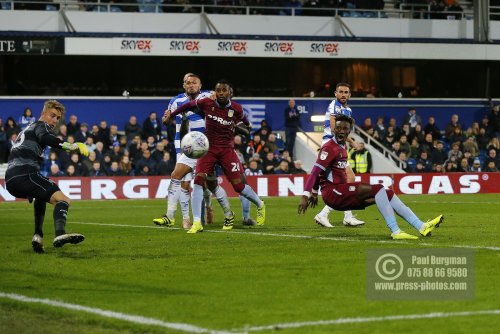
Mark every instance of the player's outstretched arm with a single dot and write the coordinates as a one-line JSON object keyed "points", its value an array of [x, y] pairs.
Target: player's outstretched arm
{"points": [[308, 199], [76, 147]]}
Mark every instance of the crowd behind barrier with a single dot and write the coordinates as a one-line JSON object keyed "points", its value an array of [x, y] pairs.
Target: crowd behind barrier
{"points": [[145, 147], [429, 9]]}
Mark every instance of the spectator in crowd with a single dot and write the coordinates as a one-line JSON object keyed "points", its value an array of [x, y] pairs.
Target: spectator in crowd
{"points": [[367, 124], [409, 167], [297, 168], [494, 121], [11, 127], [253, 168], [106, 162], [70, 171], [269, 163], [412, 118], [380, 127], [404, 144], [395, 129], [455, 152], [256, 144], [453, 10], [114, 136], [271, 143], [264, 130], [166, 165], [427, 144], [97, 169], [425, 161], [463, 166], [3, 142], [492, 157], [26, 119], [414, 149], [473, 130], [476, 166], [405, 130], [491, 167], [55, 171], [114, 169], [396, 148], [147, 161], [82, 134], [292, 125], [158, 152], [493, 143], [389, 141], [79, 167], [134, 147], [89, 161], [115, 153], [94, 132], [151, 127], [450, 128], [286, 156], [418, 133], [90, 144], [99, 151], [362, 160], [471, 146], [132, 129], [439, 156], [450, 166], [103, 134], [282, 168], [432, 128], [436, 9], [438, 168], [151, 143], [482, 139], [457, 136], [73, 126], [126, 166]]}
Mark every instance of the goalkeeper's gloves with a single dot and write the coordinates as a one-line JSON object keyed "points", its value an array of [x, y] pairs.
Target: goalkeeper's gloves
{"points": [[80, 147]]}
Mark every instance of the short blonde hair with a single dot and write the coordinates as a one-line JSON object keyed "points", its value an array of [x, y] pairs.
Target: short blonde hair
{"points": [[54, 104]]}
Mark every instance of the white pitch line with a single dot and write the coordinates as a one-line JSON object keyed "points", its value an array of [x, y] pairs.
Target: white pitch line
{"points": [[195, 329], [434, 315], [137, 319], [298, 236]]}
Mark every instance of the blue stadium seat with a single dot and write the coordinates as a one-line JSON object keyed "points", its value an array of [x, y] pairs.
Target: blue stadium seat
{"points": [[51, 8]]}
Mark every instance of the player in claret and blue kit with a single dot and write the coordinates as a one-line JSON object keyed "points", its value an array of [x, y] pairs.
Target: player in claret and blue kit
{"points": [[222, 116], [329, 172]]}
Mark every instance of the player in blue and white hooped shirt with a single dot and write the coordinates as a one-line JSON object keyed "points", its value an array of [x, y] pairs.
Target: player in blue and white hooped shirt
{"points": [[338, 107]]}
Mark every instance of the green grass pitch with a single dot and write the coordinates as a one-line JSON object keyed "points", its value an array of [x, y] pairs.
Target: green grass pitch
{"points": [[289, 271]]}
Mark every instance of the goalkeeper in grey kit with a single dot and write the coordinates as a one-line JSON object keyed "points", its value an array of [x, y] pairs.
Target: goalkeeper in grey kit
{"points": [[23, 179]]}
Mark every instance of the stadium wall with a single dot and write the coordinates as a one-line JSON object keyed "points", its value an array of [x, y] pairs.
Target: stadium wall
{"points": [[167, 23], [118, 110], [156, 187]]}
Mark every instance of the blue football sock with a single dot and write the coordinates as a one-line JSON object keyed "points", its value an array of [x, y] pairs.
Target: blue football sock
{"points": [[249, 194], [197, 198], [245, 207], [405, 212], [386, 210]]}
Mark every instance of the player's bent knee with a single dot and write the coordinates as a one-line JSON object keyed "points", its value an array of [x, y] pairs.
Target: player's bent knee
{"points": [[200, 179], [375, 189], [238, 187]]}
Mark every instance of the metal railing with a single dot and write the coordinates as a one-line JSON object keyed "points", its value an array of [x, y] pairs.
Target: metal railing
{"points": [[380, 147], [405, 10]]}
